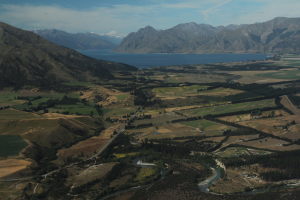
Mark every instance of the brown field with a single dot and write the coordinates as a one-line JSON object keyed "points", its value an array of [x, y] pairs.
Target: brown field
{"points": [[171, 93], [277, 122], [45, 132], [48, 130], [123, 196], [120, 181], [221, 92], [12, 166], [264, 143], [109, 96], [278, 126], [195, 78], [214, 139], [248, 77], [270, 144], [238, 151], [88, 147], [286, 102], [166, 131], [13, 114], [247, 117], [196, 166], [85, 148], [159, 119], [58, 116], [237, 180], [181, 108], [90, 174], [237, 139]]}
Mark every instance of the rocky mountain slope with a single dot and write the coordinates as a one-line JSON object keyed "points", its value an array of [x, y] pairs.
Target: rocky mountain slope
{"points": [[28, 59], [280, 35], [81, 41]]}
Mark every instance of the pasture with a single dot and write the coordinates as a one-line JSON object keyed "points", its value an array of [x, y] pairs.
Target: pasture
{"points": [[178, 92], [215, 110]]}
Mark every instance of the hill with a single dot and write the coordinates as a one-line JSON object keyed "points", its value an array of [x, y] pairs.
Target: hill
{"points": [[28, 59], [81, 41], [280, 35]]}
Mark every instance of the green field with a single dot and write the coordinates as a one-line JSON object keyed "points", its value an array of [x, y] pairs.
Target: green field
{"points": [[80, 109], [11, 114], [179, 91], [201, 124], [122, 97], [286, 74], [79, 83], [109, 112], [9, 98], [11, 145], [145, 173], [220, 92], [230, 108], [210, 128], [41, 100], [240, 151]]}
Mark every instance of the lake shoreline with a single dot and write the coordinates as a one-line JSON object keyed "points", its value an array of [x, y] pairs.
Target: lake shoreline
{"points": [[170, 59]]}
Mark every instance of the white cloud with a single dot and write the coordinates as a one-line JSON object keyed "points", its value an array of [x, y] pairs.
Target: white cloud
{"points": [[121, 18], [270, 10], [125, 18], [207, 12]]}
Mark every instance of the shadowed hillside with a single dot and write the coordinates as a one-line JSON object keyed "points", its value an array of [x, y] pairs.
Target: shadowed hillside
{"points": [[82, 41], [27, 59]]}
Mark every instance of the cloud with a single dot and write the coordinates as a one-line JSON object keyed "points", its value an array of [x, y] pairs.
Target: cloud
{"points": [[125, 17], [269, 10], [121, 18], [207, 12]]}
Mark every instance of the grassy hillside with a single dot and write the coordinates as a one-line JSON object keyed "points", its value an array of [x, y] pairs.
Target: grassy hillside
{"points": [[27, 59]]}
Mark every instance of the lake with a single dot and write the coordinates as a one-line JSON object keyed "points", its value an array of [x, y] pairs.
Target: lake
{"points": [[151, 60]]}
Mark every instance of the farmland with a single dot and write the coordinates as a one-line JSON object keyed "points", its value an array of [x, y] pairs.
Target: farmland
{"points": [[216, 110], [178, 92], [185, 122]]}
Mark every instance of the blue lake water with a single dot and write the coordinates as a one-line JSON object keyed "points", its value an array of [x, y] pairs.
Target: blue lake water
{"points": [[151, 60]]}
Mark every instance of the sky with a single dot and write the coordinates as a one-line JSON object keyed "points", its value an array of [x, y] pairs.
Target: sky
{"points": [[120, 17]]}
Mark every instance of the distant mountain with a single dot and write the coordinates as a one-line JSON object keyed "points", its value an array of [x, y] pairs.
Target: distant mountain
{"points": [[113, 39], [80, 41], [26, 58], [280, 35]]}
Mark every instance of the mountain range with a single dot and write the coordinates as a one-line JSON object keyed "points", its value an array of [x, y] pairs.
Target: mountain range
{"points": [[28, 59], [80, 41], [280, 35]]}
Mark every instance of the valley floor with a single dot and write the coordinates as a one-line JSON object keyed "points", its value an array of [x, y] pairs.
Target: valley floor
{"points": [[221, 131]]}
